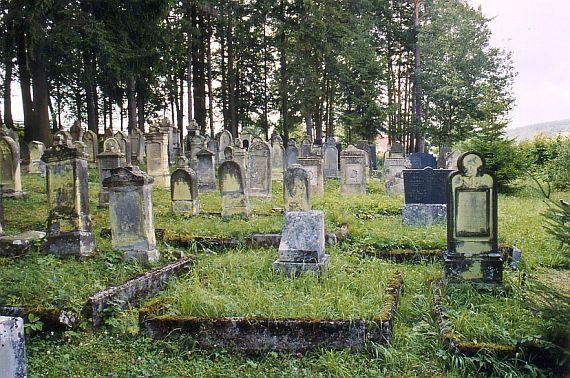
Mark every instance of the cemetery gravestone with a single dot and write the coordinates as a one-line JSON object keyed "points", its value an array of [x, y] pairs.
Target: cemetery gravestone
{"points": [[421, 160], [314, 166], [111, 158], [425, 193], [330, 154], [69, 224], [1, 211], [259, 170], [233, 189], [291, 154], [225, 139], [63, 137], [365, 146], [212, 145], [10, 175], [157, 157], [136, 144], [373, 157], [277, 158], [37, 166], [91, 146], [182, 162], [80, 146], [305, 148], [184, 192], [205, 171], [302, 246], [396, 150], [472, 248], [393, 174], [12, 348], [124, 144], [108, 132], [352, 171], [130, 214], [76, 132], [296, 189]]}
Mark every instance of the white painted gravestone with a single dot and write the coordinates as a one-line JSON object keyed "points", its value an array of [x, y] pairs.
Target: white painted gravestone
{"points": [[277, 158]]}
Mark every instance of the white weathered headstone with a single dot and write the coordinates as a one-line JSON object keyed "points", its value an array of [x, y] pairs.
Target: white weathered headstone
{"points": [[12, 348]]}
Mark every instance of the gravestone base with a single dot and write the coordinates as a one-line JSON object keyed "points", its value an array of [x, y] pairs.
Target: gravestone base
{"points": [[235, 205], [142, 256], [12, 348], [14, 194], [207, 187], [185, 207], [261, 196], [72, 244], [37, 167], [424, 215], [277, 175], [485, 268], [294, 269], [20, 244]]}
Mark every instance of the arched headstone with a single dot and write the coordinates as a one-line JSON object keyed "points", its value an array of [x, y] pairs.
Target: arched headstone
{"points": [[259, 169], [233, 189]]}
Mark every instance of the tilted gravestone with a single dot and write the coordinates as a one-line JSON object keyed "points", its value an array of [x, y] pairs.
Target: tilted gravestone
{"points": [[291, 154], [277, 158], [37, 166], [92, 146], [314, 166], [157, 157], [12, 348], [259, 169], [130, 214], [421, 160], [472, 248], [205, 171], [109, 159], [233, 189], [184, 192], [302, 246], [296, 189], [352, 171], [330, 157], [69, 224], [10, 176], [425, 193]]}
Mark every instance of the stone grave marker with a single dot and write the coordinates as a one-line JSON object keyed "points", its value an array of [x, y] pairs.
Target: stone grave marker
{"points": [[182, 162], [425, 194], [63, 137], [80, 146], [130, 214], [108, 133], [91, 146], [69, 224], [12, 348], [393, 174], [472, 249], [157, 157], [1, 211], [225, 139], [124, 144], [277, 158], [314, 166], [302, 246], [421, 160], [291, 153], [136, 141], [296, 189], [111, 158], [205, 171], [259, 169], [212, 145], [233, 189], [306, 148], [10, 176], [330, 154], [76, 131], [364, 145], [396, 150], [352, 171], [184, 192], [373, 157], [37, 166]]}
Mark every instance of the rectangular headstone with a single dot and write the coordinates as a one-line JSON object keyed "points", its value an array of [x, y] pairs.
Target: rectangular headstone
{"points": [[427, 186], [12, 348]]}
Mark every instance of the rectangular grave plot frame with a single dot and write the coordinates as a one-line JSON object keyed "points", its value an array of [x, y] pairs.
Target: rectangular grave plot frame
{"points": [[260, 335], [486, 233]]}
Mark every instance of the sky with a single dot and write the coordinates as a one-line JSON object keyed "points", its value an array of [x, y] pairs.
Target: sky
{"points": [[537, 32]]}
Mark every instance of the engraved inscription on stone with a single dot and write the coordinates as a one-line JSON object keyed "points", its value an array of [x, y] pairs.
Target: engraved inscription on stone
{"points": [[313, 175], [354, 174], [472, 213], [181, 191]]}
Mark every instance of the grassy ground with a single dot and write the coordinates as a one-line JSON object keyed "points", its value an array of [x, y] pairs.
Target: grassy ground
{"points": [[372, 221]]}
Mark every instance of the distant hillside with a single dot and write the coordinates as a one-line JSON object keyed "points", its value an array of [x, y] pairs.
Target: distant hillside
{"points": [[550, 129]]}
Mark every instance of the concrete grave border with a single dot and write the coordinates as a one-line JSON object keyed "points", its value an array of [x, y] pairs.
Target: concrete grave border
{"points": [[259, 335]]}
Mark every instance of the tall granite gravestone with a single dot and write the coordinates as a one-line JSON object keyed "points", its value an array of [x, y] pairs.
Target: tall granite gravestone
{"points": [[205, 171], [10, 175], [76, 131], [225, 139], [91, 146], [111, 158], [296, 189], [421, 160], [259, 169], [314, 166], [233, 189], [277, 158], [130, 214], [425, 193], [302, 246], [184, 192], [291, 153], [305, 150], [157, 157], [330, 154], [12, 348], [352, 171], [69, 224], [136, 144], [472, 249], [37, 166]]}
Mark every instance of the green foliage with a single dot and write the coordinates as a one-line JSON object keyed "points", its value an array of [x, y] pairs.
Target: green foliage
{"points": [[549, 159], [558, 224]]}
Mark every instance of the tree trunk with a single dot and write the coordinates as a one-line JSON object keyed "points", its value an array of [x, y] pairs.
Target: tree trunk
{"points": [[189, 68], [417, 105], [224, 83], [24, 76], [8, 120], [231, 76], [91, 92], [141, 99], [283, 76], [180, 108], [210, 93], [41, 131], [132, 105]]}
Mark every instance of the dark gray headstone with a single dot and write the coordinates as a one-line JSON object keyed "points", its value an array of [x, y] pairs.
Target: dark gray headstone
{"points": [[427, 186], [421, 160]]}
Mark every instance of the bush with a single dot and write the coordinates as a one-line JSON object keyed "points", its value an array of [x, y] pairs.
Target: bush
{"points": [[549, 159]]}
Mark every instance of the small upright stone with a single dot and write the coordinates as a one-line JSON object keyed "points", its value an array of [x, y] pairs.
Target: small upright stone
{"points": [[393, 174], [184, 192], [296, 189], [69, 224], [421, 160], [352, 171], [472, 248], [37, 166], [92, 146], [76, 131], [157, 156], [63, 137], [130, 214], [314, 166], [10, 175], [12, 348], [136, 141], [277, 158], [205, 171], [109, 159], [225, 139], [306, 148], [330, 155], [233, 190], [259, 169], [302, 246], [291, 153]]}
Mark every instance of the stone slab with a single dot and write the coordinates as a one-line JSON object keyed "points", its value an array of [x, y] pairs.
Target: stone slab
{"points": [[20, 244], [424, 215], [295, 269], [426, 186], [303, 231], [12, 348]]}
